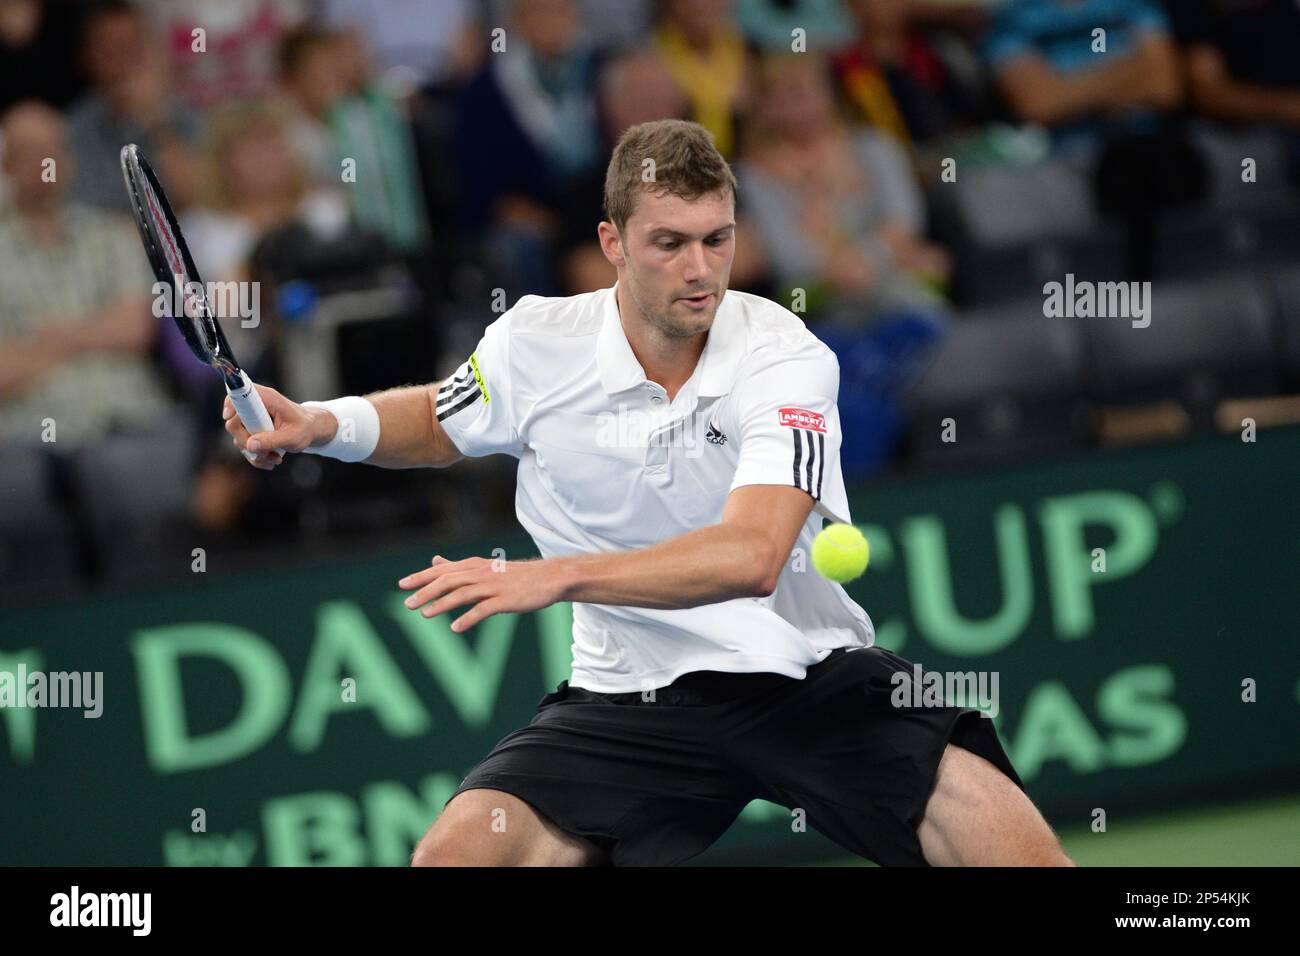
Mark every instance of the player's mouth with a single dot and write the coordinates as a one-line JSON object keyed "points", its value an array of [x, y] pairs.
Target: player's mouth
{"points": [[698, 301]]}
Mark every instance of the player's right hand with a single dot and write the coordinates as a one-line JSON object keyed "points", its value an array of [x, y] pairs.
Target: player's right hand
{"points": [[296, 427]]}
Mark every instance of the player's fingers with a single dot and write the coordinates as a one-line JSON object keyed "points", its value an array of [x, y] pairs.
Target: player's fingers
{"points": [[267, 462], [469, 594], [291, 438], [478, 612], [437, 588], [423, 577]]}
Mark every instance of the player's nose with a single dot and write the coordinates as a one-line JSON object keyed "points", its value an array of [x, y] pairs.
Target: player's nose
{"points": [[697, 266]]}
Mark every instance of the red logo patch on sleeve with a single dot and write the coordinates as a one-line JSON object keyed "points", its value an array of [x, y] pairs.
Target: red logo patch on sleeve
{"points": [[802, 418]]}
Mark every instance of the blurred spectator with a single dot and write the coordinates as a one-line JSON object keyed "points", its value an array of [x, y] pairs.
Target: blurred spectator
{"points": [[525, 129], [634, 88], [605, 24], [223, 50], [414, 42], [38, 52], [838, 209], [1104, 75], [1242, 63], [617, 24], [1044, 54], [372, 129], [1242, 58], [892, 79], [770, 24], [311, 83], [705, 52], [255, 184], [76, 326], [129, 102]]}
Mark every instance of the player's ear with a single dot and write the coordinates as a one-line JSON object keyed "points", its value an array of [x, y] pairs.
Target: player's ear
{"points": [[611, 243]]}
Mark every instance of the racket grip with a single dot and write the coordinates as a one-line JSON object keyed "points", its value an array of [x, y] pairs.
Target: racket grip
{"points": [[251, 409]]}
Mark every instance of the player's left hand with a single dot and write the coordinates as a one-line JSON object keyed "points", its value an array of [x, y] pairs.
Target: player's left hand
{"points": [[493, 586]]}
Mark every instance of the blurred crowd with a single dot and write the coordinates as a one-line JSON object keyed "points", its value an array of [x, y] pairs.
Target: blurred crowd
{"points": [[379, 167]]}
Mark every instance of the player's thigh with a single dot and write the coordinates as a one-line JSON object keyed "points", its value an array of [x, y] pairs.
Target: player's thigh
{"points": [[977, 816], [483, 827]]}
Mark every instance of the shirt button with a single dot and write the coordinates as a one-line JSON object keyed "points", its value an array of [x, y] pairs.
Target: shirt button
{"points": [[656, 399]]}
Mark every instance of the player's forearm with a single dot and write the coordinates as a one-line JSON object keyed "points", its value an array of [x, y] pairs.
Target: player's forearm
{"points": [[407, 438], [717, 563]]}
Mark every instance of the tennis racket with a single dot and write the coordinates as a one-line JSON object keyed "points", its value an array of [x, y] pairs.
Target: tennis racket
{"points": [[173, 265]]}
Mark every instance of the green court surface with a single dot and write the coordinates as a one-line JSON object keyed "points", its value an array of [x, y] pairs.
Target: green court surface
{"points": [[1263, 833]]}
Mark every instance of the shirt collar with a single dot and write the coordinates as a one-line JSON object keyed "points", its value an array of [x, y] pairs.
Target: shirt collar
{"points": [[723, 350]]}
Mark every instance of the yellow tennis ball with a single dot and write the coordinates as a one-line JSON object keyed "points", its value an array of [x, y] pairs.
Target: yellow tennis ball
{"points": [[840, 552]]}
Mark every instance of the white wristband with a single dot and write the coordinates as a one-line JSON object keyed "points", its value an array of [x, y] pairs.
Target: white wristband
{"points": [[357, 436]]}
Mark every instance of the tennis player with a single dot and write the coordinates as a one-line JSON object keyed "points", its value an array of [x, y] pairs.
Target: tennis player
{"points": [[678, 448]]}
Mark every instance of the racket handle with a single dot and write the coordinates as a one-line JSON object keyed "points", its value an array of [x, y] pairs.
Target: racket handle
{"points": [[251, 409]]}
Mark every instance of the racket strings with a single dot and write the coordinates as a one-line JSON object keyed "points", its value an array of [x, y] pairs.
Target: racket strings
{"points": [[193, 305]]}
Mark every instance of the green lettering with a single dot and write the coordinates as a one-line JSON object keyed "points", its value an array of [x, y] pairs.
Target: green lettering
{"points": [[1133, 700], [261, 674], [19, 722], [1069, 562], [1052, 727], [931, 585], [347, 646], [313, 829], [471, 679]]}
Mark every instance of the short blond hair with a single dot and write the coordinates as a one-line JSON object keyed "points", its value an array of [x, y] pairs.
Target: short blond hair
{"points": [[226, 127], [670, 156]]}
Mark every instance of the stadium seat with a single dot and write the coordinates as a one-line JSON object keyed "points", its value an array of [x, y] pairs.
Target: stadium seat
{"points": [[1209, 338], [136, 487], [1012, 380], [1011, 229], [38, 545], [1243, 224], [1286, 289], [1225, 150]]}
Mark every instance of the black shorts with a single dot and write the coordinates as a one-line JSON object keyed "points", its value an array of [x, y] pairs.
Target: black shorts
{"points": [[655, 782]]}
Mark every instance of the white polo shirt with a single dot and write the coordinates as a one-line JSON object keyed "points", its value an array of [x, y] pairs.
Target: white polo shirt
{"points": [[607, 463]]}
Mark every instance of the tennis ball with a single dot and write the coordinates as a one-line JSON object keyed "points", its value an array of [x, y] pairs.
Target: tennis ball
{"points": [[840, 552]]}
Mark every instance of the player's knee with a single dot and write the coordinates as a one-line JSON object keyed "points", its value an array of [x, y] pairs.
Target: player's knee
{"points": [[437, 851], [1053, 855]]}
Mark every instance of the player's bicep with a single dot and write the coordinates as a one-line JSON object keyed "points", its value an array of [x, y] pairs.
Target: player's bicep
{"points": [[445, 450]]}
